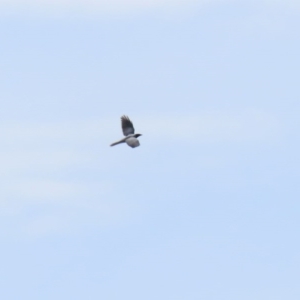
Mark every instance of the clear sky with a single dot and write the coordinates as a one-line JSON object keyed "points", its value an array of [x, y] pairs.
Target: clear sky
{"points": [[207, 207]]}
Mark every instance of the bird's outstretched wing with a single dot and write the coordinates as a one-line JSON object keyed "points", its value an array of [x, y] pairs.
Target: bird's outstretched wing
{"points": [[127, 126]]}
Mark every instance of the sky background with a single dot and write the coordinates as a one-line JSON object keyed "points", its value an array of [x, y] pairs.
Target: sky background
{"points": [[207, 207]]}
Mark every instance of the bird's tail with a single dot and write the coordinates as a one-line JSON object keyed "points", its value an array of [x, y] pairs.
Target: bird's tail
{"points": [[118, 142]]}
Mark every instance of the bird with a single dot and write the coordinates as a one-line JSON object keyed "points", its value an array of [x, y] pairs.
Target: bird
{"points": [[128, 130]]}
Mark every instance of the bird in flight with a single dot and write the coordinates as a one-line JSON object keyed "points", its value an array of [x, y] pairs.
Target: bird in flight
{"points": [[128, 130]]}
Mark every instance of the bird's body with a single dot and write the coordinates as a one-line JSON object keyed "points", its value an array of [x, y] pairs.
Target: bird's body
{"points": [[128, 130], [132, 142]]}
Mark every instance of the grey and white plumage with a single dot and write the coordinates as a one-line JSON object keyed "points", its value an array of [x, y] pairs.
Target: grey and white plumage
{"points": [[128, 130]]}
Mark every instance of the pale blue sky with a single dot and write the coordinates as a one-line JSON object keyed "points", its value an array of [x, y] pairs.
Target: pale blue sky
{"points": [[208, 206]]}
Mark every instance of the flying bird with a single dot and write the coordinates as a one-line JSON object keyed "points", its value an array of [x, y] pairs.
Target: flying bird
{"points": [[128, 130]]}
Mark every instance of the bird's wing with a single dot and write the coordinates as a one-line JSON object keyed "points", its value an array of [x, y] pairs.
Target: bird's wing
{"points": [[127, 126]]}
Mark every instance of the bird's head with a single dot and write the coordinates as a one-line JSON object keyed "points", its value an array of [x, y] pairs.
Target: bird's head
{"points": [[137, 135]]}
